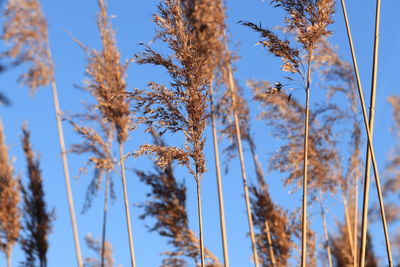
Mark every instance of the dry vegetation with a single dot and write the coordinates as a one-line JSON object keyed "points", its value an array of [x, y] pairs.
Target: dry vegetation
{"points": [[318, 140]]}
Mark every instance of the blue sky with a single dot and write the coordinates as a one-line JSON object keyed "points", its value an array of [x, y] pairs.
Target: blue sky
{"points": [[133, 24]]}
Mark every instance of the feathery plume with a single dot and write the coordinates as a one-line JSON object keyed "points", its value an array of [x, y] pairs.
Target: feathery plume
{"points": [[37, 220], [106, 83], [181, 107], [167, 205], [96, 246], [309, 19], [9, 199], [25, 30]]}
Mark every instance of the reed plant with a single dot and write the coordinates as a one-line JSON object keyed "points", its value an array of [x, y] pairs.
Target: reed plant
{"points": [[37, 218], [167, 204], [309, 19], [106, 83], [368, 123], [10, 213], [25, 32], [180, 107], [99, 145]]}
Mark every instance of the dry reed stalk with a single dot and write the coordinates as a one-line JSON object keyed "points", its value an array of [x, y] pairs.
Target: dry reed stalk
{"points": [[106, 82], [370, 148], [326, 234], [233, 92], [105, 252], [100, 148], [37, 220], [219, 180], [182, 107], [25, 29], [9, 198], [167, 205], [207, 18], [264, 211], [309, 19], [335, 70]]}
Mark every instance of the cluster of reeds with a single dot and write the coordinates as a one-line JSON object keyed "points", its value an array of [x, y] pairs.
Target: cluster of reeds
{"points": [[201, 85]]}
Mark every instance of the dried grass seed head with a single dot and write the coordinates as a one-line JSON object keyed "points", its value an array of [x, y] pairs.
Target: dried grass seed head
{"points": [[182, 107], [25, 30], [106, 77], [9, 199]]}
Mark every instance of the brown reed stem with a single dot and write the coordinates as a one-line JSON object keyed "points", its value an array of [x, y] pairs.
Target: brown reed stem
{"points": [[8, 256], [269, 240], [200, 217], [355, 232], [370, 148], [306, 130], [66, 173], [105, 211], [348, 224], [242, 166], [326, 234], [219, 180], [126, 202]]}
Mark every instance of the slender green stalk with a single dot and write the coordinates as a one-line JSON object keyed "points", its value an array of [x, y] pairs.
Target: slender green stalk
{"points": [[105, 211], [200, 217], [219, 180], [269, 240], [326, 234], [126, 201], [66, 174], [370, 146], [305, 164], [242, 166]]}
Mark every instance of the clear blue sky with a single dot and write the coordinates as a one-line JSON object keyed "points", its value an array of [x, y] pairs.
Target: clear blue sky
{"points": [[133, 25]]}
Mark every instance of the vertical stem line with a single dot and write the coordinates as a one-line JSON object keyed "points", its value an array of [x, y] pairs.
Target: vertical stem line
{"points": [[200, 217], [269, 240], [305, 165], [328, 247], [242, 166], [370, 148], [66, 172], [355, 255], [219, 180], [126, 201], [105, 211], [348, 224]]}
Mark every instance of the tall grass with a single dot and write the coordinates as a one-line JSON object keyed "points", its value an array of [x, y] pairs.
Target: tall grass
{"points": [[37, 219], [370, 144], [106, 83], [25, 30], [9, 198], [182, 107]]}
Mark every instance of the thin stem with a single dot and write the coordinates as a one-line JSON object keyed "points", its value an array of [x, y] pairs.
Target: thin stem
{"points": [[355, 232], [8, 255], [305, 165], [242, 166], [200, 217], [326, 234], [370, 146], [126, 201], [105, 211], [348, 224], [219, 180], [66, 173], [269, 240]]}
